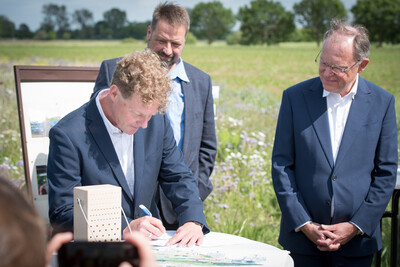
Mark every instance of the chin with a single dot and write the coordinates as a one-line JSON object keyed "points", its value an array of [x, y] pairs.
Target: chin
{"points": [[329, 88], [132, 131]]}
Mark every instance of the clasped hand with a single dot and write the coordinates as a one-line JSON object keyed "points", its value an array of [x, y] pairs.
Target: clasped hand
{"points": [[329, 237], [188, 234]]}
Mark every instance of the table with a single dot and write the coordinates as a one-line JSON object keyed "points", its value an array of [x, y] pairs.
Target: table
{"points": [[220, 249]]}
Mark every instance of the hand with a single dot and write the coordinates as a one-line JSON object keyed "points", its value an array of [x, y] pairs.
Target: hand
{"points": [[55, 243], [187, 235], [145, 252], [344, 232], [150, 227], [322, 238]]}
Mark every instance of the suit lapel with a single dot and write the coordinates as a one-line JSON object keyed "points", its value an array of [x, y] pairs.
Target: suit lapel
{"points": [[357, 117], [139, 162], [317, 109], [103, 141]]}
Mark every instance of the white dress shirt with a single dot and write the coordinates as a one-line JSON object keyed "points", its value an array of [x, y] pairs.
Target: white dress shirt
{"points": [[175, 108], [338, 110], [123, 145]]}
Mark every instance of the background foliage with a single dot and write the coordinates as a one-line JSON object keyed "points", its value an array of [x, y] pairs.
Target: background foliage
{"points": [[263, 21], [251, 80], [315, 15], [211, 21], [381, 17]]}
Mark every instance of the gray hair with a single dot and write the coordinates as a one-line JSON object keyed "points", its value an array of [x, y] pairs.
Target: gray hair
{"points": [[359, 32]]}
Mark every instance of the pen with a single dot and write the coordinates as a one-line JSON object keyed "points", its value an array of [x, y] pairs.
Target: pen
{"points": [[145, 210]]}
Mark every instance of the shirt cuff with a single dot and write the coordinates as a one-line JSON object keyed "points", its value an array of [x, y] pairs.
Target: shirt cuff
{"points": [[360, 231], [297, 229]]}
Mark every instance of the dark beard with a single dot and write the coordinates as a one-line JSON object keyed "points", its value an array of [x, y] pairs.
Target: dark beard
{"points": [[170, 61]]}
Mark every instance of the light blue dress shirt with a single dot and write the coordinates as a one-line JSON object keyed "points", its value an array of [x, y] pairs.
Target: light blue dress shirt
{"points": [[175, 109]]}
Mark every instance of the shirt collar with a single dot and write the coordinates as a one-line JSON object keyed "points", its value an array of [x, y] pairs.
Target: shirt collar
{"points": [[110, 127], [179, 72], [352, 92]]}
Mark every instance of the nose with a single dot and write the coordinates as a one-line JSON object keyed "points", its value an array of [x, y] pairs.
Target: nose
{"points": [[167, 48], [144, 122], [328, 71]]}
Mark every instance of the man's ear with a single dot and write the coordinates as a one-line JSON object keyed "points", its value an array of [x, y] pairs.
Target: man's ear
{"points": [[363, 65], [113, 91], [148, 32]]}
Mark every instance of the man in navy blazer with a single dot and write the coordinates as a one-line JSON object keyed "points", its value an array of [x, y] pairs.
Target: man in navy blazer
{"points": [[191, 104], [335, 157], [118, 138]]}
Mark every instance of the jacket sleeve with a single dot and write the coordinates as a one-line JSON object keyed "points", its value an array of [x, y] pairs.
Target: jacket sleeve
{"points": [[63, 173], [290, 199], [383, 176], [178, 183]]}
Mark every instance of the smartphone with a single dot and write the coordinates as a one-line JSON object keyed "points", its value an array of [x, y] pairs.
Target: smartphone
{"points": [[99, 254]]}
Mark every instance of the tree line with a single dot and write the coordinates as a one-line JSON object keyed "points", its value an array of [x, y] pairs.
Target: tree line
{"points": [[261, 22]]}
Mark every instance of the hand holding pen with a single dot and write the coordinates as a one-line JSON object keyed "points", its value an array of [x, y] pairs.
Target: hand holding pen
{"points": [[188, 234], [145, 210], [149, 226]]}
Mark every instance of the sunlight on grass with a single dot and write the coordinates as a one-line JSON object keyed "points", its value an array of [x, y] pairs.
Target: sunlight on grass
{"points": [[251, 80]]}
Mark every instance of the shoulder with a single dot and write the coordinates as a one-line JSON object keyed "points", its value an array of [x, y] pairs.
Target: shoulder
{"points": [[310, 84], [111, 61], [370, 87], [192, 70], [76, 117]]}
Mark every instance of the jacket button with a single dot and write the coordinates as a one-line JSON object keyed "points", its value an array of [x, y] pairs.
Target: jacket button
{"points": [[334, 177], [328, 203]]}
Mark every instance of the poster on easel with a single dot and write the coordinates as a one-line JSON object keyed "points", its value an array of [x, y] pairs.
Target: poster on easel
{"points": [[45, 94]]}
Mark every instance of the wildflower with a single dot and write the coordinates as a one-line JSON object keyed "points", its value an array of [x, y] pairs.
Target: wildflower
{"points": [[223, 206], [217, 217]]}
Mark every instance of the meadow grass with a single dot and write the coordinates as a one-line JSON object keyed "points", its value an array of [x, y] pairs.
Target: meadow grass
{"points": [[251, 80]]}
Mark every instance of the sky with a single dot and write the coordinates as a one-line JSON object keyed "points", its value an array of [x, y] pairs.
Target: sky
{"points": [[30, 11]]}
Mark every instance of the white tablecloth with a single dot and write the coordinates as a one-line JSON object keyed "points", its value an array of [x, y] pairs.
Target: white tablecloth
{"points": [[219, 249]]}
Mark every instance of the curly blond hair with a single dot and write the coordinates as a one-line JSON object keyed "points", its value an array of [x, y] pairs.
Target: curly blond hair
{"points": [[145, 75]]}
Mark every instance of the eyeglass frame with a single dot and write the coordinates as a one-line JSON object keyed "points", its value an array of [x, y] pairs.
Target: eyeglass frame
{"points": [[333, 68]]}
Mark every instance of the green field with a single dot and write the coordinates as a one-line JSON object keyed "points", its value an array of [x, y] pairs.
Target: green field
{"points": [[251, 80]]}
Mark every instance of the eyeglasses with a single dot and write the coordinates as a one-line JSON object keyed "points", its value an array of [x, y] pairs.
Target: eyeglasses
{"points": [[335, 69]]}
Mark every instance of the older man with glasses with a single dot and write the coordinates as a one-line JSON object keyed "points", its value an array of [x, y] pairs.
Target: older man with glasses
{"points": [[335, 158]]}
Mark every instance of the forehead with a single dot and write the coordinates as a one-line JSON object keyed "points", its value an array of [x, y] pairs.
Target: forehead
{"points": [[338, 47], [135, 104], [166, 30]]}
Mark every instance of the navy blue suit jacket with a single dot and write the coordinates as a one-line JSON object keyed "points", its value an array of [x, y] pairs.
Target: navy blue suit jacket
{"points": [[199, 140], [305, 177], [81, 153]]}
